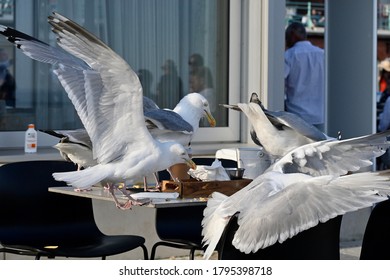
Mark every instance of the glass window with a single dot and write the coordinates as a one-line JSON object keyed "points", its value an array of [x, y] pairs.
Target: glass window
{"points": [[176, 47]]}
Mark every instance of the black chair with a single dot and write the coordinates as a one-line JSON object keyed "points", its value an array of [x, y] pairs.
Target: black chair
{"points": [[376, 244], [182, 227], [179, 228], [36, 222], [321, 242]]}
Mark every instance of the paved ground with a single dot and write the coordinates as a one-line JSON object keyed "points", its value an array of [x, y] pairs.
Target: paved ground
{"points": [[348, 251]]}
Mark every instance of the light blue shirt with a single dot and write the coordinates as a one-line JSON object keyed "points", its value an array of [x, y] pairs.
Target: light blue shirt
{"points": [[384, 117], [304, 76]]}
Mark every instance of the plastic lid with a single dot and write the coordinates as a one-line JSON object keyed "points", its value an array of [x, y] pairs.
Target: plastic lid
{"points": [[31, 125]]}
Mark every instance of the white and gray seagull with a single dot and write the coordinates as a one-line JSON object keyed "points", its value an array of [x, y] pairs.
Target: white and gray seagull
{"points": [[179, 125], [107, 96], [76, 145], [300, 190], [278, 132]]}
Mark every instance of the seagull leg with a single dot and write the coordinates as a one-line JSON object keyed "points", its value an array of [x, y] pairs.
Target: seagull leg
{"points": [[175, 179], [130, 201], [156, 189], [145, 184], [158, 186]]}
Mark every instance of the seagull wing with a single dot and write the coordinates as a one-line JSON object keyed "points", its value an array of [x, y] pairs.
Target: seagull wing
{"points": [[149, 104], [167, 120], [112, 111], [334, 156], [68, 68], [282, 118], [41, 51], [79, 136], [302, 205]]}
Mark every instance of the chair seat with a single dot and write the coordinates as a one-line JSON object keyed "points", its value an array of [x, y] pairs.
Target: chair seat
{"points": [[94, 248], [34, 221]]}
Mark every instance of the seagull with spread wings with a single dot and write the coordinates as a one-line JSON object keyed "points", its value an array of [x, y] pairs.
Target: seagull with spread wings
{"points": [[107, 96], [179, 125], [298, 191]]}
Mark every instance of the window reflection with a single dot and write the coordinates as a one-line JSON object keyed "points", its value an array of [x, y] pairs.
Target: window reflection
{"points": [[155, 37]]}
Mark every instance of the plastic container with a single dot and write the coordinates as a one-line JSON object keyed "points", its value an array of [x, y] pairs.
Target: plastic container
{"points": [[254, 160], [31, 140]]}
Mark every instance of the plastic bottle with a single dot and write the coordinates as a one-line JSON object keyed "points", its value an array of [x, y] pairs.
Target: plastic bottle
{"points": [[31, 139]]}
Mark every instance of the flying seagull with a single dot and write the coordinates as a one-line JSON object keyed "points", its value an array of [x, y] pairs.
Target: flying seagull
{"points": [[277, 132], [76, 145], [107, 96], [303, 188], [179, 125]]}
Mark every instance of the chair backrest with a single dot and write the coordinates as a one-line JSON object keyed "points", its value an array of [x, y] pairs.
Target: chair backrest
{"points": [[321, 242], [183, 225], [376, 245], [29, 212], [164, 175]]}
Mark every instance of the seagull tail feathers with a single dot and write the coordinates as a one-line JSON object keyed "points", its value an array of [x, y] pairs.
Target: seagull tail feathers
{"points": [[214, 222], [83, 179]]}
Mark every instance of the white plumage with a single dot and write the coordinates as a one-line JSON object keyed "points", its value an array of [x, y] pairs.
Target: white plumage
{"points": [[303, 188], [179, 125], [277, 132]]}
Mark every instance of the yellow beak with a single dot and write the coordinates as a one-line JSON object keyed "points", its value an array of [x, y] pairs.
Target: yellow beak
{"points": [[211, 119], [191, 163]]}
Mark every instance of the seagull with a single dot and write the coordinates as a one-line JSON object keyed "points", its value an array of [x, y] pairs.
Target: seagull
{"points": [[107, 96], [179, 125], [303, 188], [182, 122], [277, 132], [74, 146]]}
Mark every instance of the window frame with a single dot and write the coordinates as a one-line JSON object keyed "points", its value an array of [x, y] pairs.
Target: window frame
{"points": [[230, 133]]}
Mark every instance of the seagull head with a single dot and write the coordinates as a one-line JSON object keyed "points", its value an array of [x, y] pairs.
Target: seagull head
{"points": [[194, 106], [178, 150]]}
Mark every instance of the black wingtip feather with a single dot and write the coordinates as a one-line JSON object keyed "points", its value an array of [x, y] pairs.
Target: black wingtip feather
{"points": [[14, 36]]}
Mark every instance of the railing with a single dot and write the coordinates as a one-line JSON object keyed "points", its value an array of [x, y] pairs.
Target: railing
{"points": [[312, 15], [383, 16]]}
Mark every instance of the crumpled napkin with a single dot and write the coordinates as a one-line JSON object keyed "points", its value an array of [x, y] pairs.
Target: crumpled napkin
{"points": [[215, 172]]}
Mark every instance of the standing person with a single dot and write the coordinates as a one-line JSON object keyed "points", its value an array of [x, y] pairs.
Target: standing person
{"points": [[170, 87], [304, 74], [201, 82], [195, 62]]}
